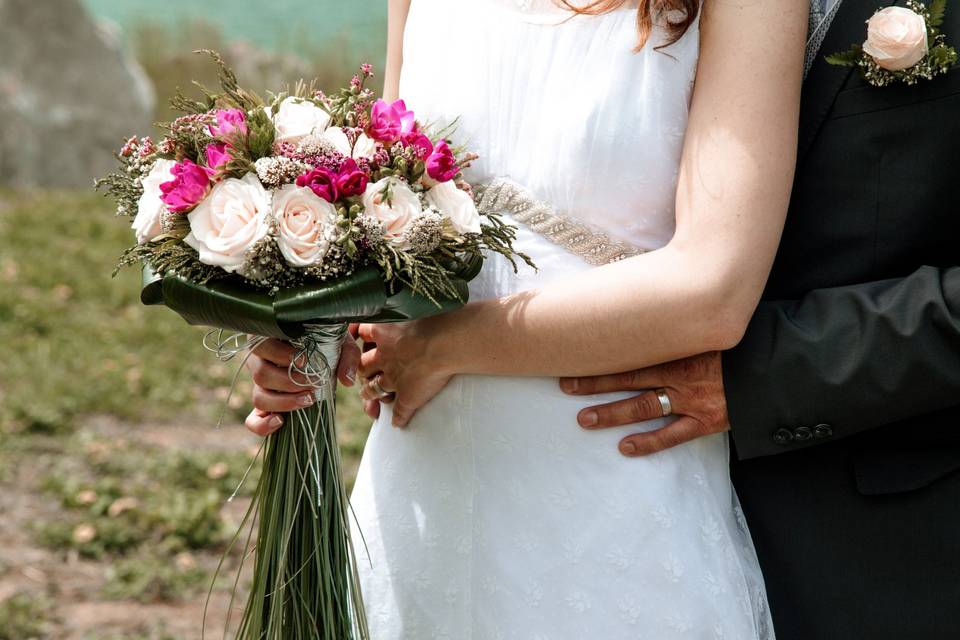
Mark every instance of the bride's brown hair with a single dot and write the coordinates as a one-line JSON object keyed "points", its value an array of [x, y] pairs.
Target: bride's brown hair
{"points": [[647, 12]]}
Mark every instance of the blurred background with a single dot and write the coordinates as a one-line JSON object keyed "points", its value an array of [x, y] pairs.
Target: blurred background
{"points": [[113, 479]]}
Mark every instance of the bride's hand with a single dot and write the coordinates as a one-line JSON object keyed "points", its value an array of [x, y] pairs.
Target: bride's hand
{"points": [[274, 393], [404, 361]]}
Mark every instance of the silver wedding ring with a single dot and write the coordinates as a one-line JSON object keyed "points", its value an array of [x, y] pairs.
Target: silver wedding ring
{"points": [[377, 388], [664, 399]]}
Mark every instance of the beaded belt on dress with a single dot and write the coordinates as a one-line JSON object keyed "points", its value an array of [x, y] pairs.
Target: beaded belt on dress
{"points": [[502, 195]]}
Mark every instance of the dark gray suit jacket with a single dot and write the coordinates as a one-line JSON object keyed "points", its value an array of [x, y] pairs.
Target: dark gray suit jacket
{"points": [[844, 395]]}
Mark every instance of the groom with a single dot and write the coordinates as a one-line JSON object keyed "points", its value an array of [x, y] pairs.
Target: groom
{"points": [[843, 398]]}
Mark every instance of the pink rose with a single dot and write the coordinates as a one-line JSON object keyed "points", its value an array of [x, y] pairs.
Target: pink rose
{"points": [[896, 38], [217, 158], [389, 121], [419, 142], [351, 181], [442, 165], [322, 182], [230, 122], [188, 187]]}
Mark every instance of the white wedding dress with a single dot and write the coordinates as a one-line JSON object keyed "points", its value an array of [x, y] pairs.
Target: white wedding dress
{"points": [[493, 515]]}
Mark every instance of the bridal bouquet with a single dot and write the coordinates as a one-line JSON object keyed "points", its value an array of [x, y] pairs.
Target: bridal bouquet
{"points": [[290, 217]]}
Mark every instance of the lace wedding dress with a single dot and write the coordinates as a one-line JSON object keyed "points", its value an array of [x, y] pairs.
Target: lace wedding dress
{"points": [[493, 515]]}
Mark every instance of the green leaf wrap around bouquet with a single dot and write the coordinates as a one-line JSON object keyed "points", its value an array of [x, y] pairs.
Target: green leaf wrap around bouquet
{"points": [[359, 297]]}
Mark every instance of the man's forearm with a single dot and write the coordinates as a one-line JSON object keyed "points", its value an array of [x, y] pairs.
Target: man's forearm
{"points": [[840, 361]]}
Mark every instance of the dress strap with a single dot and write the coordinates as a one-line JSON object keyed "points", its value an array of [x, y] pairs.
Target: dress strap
{"points": [[502, 195]]}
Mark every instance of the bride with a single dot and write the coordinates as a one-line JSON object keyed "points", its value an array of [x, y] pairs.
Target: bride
{"points": [[492, 514]]}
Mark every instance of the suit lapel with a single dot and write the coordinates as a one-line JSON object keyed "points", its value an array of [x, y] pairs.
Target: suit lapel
{"points": [[824, 81]]}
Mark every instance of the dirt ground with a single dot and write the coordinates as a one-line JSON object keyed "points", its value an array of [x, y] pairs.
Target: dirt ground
{"points": [[72, 585]]}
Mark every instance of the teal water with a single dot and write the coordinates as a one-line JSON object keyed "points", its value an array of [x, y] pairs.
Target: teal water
{"points": [[276, 25]]}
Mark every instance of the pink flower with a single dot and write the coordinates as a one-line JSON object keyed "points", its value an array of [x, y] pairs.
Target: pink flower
{"points": [[322, 182], [167, 147], [147, 147], [217, 158], [230, 122], [389, 121], [896, 38], [188, 187], [129, 147], [420, 143], [351, 181], [442, 165]]}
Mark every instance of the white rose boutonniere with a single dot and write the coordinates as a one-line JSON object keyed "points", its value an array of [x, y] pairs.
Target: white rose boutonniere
{"points": [[903, 44], [896, 38]]}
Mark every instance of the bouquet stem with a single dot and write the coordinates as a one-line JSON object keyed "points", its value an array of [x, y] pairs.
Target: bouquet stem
{"points": [[305, 583]]}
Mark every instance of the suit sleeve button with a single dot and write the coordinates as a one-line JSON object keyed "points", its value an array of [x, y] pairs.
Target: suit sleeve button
{"points": [[783, 436], [801, 434], [822, 431]]}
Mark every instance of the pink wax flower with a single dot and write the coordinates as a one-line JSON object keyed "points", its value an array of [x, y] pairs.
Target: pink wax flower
{"points": [[188, 187], [442, 165], [322, 182], [167, 147], [230, 122], [420, 143], [147, 147], [217, 157], [129, 147], [389, 121], [351, 180]]}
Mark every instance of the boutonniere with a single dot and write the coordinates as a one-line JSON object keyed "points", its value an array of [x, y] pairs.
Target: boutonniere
{"points": [[904, 44]]}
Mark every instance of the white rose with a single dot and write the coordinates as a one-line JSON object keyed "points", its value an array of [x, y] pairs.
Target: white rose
{"points": [[364, 147], [455, 205], [297, 118], [150, 208], [896, 38], [393, 203], [229, 221], [306, 225]]}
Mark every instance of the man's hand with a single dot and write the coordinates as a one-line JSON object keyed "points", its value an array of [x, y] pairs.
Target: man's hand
{"points": [[694, 386]]}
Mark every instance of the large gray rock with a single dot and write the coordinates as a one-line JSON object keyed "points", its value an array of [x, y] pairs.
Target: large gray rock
{"points": [[69, 95]]}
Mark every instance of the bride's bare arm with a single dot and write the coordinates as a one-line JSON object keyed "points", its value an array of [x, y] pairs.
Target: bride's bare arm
{"points": [[694, 295], [396, 22]]}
